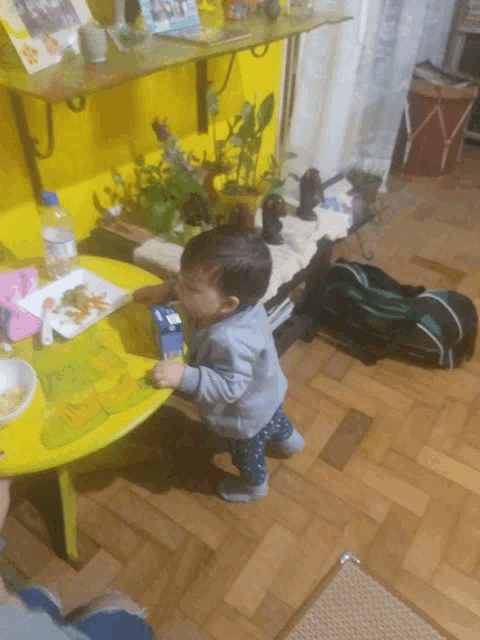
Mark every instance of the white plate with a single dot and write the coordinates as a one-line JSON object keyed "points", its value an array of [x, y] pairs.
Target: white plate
{"points": [[63, 324]]}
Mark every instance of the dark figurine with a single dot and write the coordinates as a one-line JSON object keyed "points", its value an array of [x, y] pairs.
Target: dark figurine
{"points": [[311, 194], [195, 210], [241, 216], [273, 208], [272, 9]]}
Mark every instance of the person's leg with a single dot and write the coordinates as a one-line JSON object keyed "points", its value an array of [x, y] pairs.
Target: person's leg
{"points": [[249, 458], [38, 597], [108, 600], [282, 435], [112, 616]]}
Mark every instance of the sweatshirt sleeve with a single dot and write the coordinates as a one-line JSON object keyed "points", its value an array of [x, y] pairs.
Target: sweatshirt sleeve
{"points": [[224, 377]]}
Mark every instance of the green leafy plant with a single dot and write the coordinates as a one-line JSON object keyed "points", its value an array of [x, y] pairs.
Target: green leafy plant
{"points": [[274, 173], [158, 191], [163, 200], [240, 150], [125, 196]]}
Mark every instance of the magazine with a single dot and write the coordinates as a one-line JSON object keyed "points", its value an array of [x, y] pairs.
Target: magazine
{"points": [[204, 35]]}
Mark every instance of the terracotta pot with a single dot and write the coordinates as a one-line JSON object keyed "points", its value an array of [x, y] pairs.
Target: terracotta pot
{"points": [[369, 194], [367, 185]]}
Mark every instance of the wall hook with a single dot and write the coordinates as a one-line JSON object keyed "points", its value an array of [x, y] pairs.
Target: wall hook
{"points": [[260, 55], [367, 254], [227, 77], [76, 108]]}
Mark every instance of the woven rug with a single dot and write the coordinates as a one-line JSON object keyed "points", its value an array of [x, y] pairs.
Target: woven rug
{"points": [[355, 606]]}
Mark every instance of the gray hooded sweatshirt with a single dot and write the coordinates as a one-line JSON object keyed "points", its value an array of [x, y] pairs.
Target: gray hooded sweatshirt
{"points": [[234, 374]]}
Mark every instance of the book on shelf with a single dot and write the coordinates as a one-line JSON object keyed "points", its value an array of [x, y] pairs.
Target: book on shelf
{"points": [[205, 36]]}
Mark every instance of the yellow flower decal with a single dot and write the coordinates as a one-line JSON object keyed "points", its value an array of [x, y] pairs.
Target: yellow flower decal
{"points": [[30, 54], [51, 44]]}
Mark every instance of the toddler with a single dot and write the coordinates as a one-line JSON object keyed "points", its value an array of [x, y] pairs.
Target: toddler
{"points": [[233, 373]]}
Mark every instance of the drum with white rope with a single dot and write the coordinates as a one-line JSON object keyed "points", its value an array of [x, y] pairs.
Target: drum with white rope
{"points": [[432, 131]]}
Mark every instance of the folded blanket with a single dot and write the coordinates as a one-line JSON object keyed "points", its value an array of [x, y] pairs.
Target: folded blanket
{"points": [[15, 322]]}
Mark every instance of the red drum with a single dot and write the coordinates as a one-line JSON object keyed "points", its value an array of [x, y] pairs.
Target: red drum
{"points": [[433, 128]]}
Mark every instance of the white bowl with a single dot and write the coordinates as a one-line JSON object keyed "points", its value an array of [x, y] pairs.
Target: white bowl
{"points": [[17, 373]]}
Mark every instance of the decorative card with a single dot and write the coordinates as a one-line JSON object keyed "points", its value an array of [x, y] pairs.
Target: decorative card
{"points": [[163, 15], [42, 30]]}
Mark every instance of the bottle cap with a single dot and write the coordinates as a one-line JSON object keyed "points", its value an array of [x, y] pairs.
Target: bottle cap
{"points": [[50, 198]]}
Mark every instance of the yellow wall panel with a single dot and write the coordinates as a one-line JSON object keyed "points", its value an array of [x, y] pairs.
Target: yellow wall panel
{"points": [[115, 127], [15, 186]]}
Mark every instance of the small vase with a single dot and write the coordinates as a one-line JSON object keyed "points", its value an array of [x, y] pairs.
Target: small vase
{"points": [[272, 10], [92, 41]]}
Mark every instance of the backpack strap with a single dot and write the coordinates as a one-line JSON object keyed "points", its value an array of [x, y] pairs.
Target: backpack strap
{"points": [[375, 278], [449, 319]]}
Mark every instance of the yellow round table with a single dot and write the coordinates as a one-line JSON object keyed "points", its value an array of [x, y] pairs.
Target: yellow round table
{"points": [[91, 391]]}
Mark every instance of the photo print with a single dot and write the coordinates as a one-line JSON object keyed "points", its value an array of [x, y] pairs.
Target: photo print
{"points": [[47, 16]]}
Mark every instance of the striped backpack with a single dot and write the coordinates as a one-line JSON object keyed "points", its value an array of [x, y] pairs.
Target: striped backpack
{"points": [[374, 316]]}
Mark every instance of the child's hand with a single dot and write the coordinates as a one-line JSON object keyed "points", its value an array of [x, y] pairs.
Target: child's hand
{"points": [[146, 294], [167, 374], [153, 294]]}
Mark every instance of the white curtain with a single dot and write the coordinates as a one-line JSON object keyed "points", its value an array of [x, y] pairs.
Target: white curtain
{"points": [[353, 79]]}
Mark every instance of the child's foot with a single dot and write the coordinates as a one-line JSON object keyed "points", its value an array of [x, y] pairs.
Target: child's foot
{"points": [[236, 490], [294, 444]]}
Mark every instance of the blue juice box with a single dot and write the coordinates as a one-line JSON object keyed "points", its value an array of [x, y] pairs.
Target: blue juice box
{"points": [[168, 332]]}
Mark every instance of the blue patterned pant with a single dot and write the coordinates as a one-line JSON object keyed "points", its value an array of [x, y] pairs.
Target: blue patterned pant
{"points": [[110, 624], [249, 455]]}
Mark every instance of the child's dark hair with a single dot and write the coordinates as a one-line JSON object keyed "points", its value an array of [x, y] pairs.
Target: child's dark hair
{"points": [[239, 258]]}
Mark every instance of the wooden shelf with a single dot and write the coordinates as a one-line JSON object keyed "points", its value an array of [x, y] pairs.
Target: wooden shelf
{"points": [[72, 78]]}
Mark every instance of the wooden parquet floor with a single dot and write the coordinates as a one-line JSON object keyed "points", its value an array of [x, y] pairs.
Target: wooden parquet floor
{"points": [[405, 497]]}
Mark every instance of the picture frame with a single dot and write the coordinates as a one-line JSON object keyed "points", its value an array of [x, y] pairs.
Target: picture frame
{"points": [[43, 30], [165, 15]]}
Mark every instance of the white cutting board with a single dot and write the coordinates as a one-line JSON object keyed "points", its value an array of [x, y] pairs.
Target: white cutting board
{"points": [[63, 324]]}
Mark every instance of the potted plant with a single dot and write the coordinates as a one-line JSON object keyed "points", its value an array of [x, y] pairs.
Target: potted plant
{"points": [[178, 200], [239, 152], [367, 184], [168, 197]]}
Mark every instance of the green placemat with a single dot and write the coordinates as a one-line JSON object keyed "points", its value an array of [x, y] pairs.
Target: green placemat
{"points": [[83, 381]]}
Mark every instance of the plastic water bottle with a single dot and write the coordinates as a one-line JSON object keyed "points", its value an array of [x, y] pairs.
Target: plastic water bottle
{"points": [[58, 237]]}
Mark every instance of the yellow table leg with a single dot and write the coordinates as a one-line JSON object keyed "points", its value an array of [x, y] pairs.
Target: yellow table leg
{"points": [[69, 507]]}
